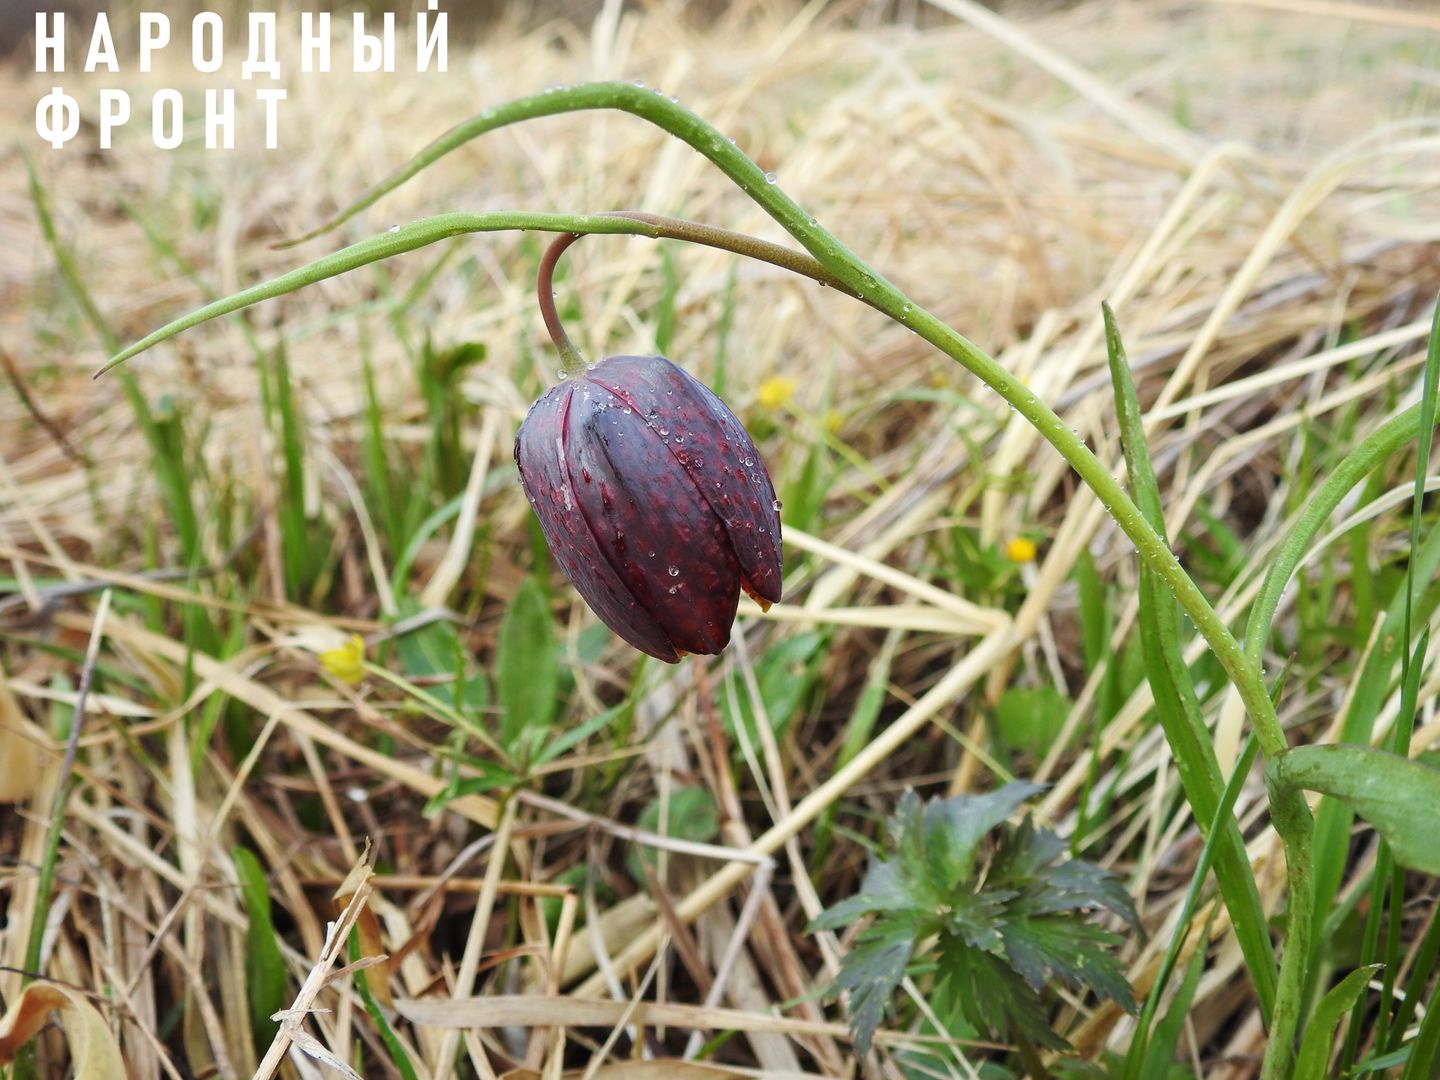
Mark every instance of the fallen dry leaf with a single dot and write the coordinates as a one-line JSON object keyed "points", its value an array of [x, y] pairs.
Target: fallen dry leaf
{"points": [[93, 1051]]}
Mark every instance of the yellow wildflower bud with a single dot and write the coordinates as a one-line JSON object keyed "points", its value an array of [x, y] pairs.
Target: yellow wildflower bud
{"points": [[347, 662], [776, 391], [1020, 549]]}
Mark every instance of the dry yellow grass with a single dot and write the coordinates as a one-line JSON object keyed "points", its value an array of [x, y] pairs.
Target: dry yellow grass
{"points": [[1252, 186]]}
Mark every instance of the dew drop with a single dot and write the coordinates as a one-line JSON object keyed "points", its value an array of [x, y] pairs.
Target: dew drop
{"points": [[732, 141], [664, 431], [394, 228], [679, 438], [776, 505], [652, 554], [562, 374], [640, 83], [674, 589], [770, 178], [673, 571]]}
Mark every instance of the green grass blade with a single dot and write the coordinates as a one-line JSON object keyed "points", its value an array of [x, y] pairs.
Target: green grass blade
{"points": [[1138, 1052], [1175, 701], [265, 977], [1420, 972], [1425, 1048], [398, 1057], [1315, 1047], [1373, 452]]}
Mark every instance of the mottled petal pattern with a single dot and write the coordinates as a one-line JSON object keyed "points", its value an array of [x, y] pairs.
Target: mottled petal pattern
{"points": [[546, 477], [712, 446], [654, 501]]}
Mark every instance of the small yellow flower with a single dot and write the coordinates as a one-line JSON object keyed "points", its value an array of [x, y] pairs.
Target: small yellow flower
{"points": [[347, 662], [776, 391], [833, 422], [1020, 549]]}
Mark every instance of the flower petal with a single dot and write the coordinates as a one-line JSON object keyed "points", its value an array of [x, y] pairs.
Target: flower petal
{"points": [[657, 532], [713, 447], [540, 455]]}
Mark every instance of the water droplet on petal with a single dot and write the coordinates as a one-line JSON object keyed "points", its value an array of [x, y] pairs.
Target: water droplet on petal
{"points": [[562, 374], [673, 571], [776, 505]]}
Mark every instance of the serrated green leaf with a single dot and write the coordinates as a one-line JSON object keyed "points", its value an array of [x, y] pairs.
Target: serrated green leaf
{"points": [[994, 997], [954, 828], [1003, 932], [872, 971], [1075, 952]]}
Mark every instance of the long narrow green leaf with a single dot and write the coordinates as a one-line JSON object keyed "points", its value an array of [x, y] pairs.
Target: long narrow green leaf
{"points": [[1160, 1051], [1316, 1046], [264, 965], [1175, 702], [1425, 1047], [398, 1057], [1138, 1056], [1420, 972]]}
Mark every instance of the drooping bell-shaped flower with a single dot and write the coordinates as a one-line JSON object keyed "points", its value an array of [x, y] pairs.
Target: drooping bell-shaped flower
{"points": [[655, 502]]}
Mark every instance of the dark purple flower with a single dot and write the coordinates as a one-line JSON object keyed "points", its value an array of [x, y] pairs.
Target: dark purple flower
{"points": [[654, 500]]}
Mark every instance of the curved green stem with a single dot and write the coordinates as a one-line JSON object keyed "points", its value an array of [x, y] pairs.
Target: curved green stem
{"points": [[1290, 814], [418, 234]]}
